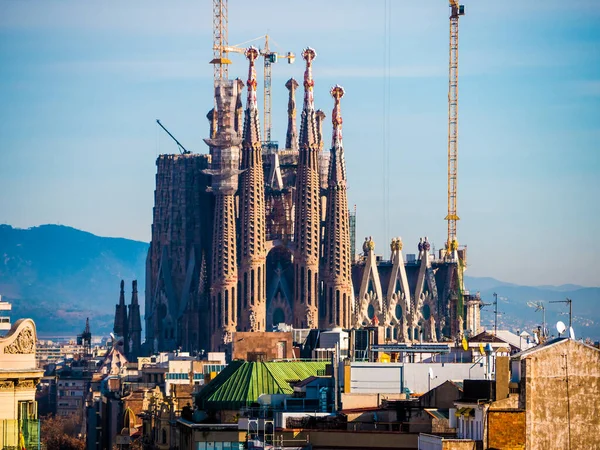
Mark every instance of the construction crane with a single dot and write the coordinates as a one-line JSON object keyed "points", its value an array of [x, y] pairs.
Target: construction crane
{"points": [[456, 11], [270, 58], [182, 149], [220, 59]]}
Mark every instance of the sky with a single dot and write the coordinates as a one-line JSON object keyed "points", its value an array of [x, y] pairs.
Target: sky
{"points": [[82, 83]]}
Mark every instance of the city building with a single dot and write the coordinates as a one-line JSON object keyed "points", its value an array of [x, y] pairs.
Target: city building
{"points": [[19, 376], [5, 308]]}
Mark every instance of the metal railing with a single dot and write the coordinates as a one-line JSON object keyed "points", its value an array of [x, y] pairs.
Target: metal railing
{"points": [[16, 434]]}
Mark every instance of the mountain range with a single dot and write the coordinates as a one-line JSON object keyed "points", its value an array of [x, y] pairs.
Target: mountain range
{"points": [[59, 275]]}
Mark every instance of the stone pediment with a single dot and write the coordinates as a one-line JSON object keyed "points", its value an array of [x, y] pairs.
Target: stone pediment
{"points": [[20, 340]]}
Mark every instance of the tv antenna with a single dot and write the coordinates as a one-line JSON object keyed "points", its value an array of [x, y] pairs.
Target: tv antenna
{"points": [[560, 327], [539, 306], [429, 378], [569, 302], [496, 312]]}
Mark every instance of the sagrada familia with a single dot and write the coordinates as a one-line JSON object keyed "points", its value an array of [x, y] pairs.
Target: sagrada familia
{"points": [[247, 237]]}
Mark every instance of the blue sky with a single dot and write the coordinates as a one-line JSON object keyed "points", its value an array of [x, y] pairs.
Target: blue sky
{"points": [[82, 83]]}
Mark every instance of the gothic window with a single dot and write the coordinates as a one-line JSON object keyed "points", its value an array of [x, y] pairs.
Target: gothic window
{"points": [[337, 307], [226, 307], [309, 286], [252, 287]]}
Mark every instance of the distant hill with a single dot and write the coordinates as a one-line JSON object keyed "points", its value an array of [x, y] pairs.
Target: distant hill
{"points": [[58, 276], [516, 315]]}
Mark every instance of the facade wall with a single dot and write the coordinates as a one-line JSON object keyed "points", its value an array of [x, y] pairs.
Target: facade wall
{"points": [[181, 235], [262, 346], [391, 377], [506, 429], [70, 395], [560, 391]]}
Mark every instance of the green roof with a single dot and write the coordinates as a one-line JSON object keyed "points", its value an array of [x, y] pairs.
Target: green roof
{"points": [[240, 383]]}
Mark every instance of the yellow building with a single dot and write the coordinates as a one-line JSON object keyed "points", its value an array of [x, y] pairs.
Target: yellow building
{"points": [[19, 376]]}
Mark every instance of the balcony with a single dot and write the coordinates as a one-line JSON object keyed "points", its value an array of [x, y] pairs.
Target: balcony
{"points": [[18, 434]]}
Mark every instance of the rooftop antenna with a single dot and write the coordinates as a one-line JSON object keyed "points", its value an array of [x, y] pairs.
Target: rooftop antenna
{"points": [[539, 306], [569, 302], [429, 378], [560, 327]]}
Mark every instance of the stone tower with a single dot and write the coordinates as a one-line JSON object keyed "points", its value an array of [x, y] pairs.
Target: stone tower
{"points": [[337, 261], [120, 325], [224, 168], [253, 308], [307, 211], [291, 137], [134, 336]]}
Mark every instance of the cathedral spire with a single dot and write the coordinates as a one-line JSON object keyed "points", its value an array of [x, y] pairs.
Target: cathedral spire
{"points": [[308, 123], [120, 324], [252, 310], [134, 326], [337, 165], [225, 171], [291, 138], [307, 218], [337, 282]]}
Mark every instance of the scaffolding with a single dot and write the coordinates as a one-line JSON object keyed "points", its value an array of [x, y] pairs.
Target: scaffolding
{"points": [[352, 222]]}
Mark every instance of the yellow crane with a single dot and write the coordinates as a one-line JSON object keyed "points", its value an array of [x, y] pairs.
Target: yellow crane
{"points": [[456, 11], [221, 61]]}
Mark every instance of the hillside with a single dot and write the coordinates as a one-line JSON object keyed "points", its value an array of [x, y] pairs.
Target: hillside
{"points": [[514, 314], [58, 276]]}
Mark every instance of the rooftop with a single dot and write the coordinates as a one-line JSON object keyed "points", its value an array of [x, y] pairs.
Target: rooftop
{"points": [[241, 383]]}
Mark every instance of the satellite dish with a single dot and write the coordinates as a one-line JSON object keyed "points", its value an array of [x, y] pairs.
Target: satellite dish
{"points": [[560, 327], [571, 333], [113, 337], [535, 338], [430, 373]]}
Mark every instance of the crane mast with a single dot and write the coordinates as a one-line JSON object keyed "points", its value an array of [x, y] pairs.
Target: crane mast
{"points": [[220, 59], [269, 58], [456, 10]]}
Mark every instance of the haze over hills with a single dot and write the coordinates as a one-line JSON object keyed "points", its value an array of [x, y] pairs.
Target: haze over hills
{"points": [[59, 275], [515, 314]]}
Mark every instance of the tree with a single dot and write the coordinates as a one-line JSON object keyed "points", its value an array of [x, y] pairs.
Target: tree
{"points": [[60, 433]]}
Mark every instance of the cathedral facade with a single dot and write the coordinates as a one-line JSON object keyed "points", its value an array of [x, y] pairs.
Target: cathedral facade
{"points": [[247, 237]]}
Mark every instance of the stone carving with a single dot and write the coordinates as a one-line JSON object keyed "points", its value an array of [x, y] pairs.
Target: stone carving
{"points": [[310, 318], [396, 244], [368, 245], [7, 385], [26, 384], [23, 344], [227, 337]]}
